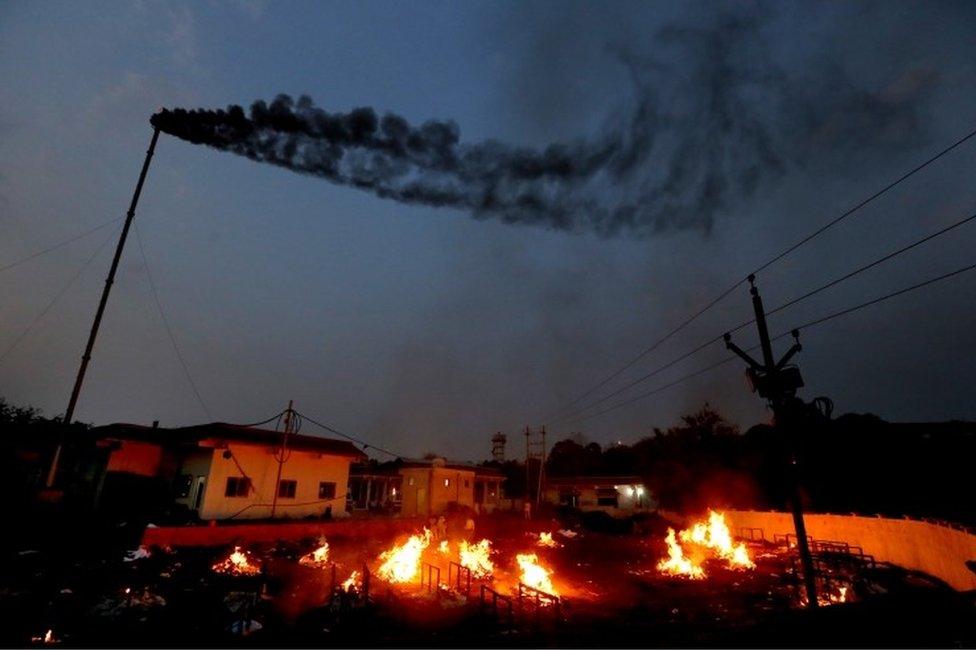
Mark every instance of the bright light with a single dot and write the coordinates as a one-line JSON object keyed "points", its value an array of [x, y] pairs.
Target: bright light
{"points": [[640, 490]]}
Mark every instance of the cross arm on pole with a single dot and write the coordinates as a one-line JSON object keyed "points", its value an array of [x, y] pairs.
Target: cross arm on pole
{"points": [[755, 365]]}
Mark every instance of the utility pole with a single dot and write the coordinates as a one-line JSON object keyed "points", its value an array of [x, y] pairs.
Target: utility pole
{"points": [[86, 357], [282, 455], [535, 450], [778, 382]]}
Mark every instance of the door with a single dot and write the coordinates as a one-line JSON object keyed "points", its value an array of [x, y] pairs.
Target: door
{"points": [[201, 487], [422, 501]]}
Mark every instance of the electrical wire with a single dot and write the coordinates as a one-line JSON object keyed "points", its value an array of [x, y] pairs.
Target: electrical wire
{"points": [[364, 444], [790, 249], [37, 319], [274, 417], [58, 245], [790, 303], [804, 326], [169, 330]]}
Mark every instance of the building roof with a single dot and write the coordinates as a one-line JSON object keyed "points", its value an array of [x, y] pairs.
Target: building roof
{"points": [[594, 480], [394, 467], [217, 433]]}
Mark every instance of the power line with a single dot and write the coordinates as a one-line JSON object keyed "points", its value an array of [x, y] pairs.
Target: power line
{"points": [[790, 249], [37, 319], [876, 262], [169, 330], [58, 245], [359, 441], [794, 301], [650, 348], [807, 325]]}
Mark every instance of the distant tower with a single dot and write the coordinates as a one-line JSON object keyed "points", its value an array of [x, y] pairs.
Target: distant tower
{"points": [[498, 447]]}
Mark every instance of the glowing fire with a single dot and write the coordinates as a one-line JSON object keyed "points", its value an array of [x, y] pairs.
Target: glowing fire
{"points": [[840, 597], [677, 564], [534, 574], [48, 638], [354, 581], [545, 539], [713, 537], [402, 562], [237, 564], [317, 558], [477, 558], [443, 547]]}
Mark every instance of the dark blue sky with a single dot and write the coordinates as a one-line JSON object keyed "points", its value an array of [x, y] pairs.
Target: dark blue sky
{"points": [[425, 329]]}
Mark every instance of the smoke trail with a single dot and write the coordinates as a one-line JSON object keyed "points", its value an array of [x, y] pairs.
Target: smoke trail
{"points": [[702, 135]]}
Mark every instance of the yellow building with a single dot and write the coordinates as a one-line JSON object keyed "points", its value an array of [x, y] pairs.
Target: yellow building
{"points": [[618, 496], [224, 471], [425, 487]]}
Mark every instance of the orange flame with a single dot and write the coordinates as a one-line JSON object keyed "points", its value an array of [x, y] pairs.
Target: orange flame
{"points": [[402, 562], [477, 558], [443, 547], [545, 539], [317, 558], [354, 581], [677, 564], [238, 564], [714, 536], [534, 574]]}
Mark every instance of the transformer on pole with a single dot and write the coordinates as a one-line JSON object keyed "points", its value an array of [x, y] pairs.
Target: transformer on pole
{"points": [[777, 382]]}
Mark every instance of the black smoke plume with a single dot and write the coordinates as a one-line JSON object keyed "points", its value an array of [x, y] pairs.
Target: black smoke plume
{"points": [[703, 133]]}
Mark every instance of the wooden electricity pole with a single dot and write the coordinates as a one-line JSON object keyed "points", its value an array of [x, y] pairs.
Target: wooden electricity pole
{"points": [[778, 382]]}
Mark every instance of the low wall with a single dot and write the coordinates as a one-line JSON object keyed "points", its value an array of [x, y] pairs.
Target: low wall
{"points": [[934, 549], [270, 532]]}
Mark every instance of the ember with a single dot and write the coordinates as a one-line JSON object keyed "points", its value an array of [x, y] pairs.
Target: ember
{"points": [[534, 574], [714, 537], [318, 558], [402, 563], [477, 558], [237, 564]]}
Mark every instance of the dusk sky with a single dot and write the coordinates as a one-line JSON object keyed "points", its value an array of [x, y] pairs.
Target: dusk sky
{"points": [[424, 328]]}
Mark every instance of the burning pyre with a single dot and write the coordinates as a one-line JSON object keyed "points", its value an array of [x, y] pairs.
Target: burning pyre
{"points": [[534, 574], [476, 558], [705, 540], [353, 583], [238, 563], [319, 558], [402, 562]]}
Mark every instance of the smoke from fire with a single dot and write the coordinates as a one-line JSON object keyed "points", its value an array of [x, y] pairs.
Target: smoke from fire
{"points": [[713, 117]]}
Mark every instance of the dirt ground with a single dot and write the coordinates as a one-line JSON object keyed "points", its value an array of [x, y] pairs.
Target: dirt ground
{"points": [[611, 595]]}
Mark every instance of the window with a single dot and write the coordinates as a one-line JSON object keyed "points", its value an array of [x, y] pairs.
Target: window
{"points": [[237, 486], [286, 489], [326, 490], [606, 497]]}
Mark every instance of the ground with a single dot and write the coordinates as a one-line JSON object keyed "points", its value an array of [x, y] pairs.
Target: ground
{"points": [[612, 595]]}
